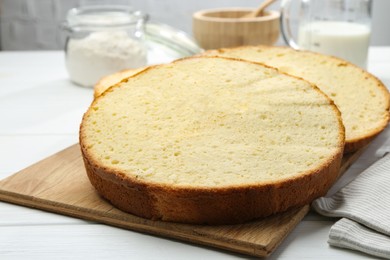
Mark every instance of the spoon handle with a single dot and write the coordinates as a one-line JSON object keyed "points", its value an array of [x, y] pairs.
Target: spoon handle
{"points": [[260, 10]]}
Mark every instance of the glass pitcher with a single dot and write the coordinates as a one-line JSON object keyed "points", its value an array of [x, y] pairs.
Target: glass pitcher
{"points": [[340, 28]]}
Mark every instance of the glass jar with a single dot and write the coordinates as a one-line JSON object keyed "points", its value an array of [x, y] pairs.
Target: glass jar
{"points": [[102, 40]]}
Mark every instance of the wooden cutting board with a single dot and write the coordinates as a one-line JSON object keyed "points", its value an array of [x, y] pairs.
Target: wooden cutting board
{"points": [[59, 184]]}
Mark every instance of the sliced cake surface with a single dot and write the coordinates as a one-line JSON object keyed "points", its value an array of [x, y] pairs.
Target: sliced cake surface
{"points": [[211, 140], [362, 99]]}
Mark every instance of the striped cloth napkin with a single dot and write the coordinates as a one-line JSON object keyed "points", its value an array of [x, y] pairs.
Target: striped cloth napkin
{"points": [[364, 205]]}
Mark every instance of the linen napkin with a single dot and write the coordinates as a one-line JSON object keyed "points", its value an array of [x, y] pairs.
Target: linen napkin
{"points": [[364, 205]]}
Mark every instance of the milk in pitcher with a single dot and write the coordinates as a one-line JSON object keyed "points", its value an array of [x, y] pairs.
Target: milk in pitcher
{"points": [[346, 40]]}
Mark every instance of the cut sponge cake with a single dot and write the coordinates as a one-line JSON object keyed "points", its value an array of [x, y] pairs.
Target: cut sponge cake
{"points": [[104, 83], [211, 140], [362, 99]]}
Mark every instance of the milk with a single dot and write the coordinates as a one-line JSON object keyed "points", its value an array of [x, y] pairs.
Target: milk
{"points": [[346, 40]]}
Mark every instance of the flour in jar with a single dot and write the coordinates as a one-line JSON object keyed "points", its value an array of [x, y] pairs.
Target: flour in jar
{"points": [[102, 53]]}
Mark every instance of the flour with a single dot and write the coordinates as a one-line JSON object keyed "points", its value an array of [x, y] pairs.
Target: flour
{"points": [[102, 53]]}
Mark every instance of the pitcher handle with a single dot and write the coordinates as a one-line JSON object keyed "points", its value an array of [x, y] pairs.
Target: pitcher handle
{"points": [[285, 24]]}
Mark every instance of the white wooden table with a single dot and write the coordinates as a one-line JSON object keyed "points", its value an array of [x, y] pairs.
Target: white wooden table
{"points": [[40, 112]]}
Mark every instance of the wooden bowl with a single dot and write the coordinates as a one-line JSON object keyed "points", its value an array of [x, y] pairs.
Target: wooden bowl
{"points": [[219, 28]]}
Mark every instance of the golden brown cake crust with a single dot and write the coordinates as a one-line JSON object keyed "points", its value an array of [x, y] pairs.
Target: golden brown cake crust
{"points": [[228, 205], [210, 205]]}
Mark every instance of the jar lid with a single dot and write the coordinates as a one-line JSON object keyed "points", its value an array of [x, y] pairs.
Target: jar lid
{"points": [[164, 40]]}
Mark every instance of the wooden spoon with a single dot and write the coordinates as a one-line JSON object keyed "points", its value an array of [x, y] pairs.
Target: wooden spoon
{"points": [[260, 10]]}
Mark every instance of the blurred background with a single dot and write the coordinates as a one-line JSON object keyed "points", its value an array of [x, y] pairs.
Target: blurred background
{"points": [[36, 24]]}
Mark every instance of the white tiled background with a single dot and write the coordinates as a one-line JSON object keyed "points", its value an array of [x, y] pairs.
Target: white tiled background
{"points": [[35, 24]]}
